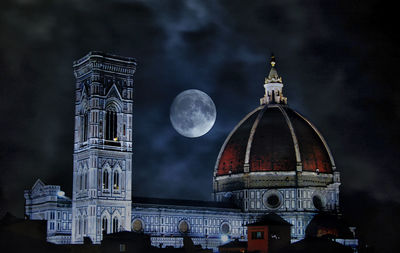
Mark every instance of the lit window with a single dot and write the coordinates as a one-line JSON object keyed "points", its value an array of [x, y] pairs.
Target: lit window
{"points": [[257, 235], [111, 125], [116, 180]]}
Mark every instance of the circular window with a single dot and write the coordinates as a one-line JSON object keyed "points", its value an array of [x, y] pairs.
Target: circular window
{"points": [[183, 226], [317, 202], [272, 199], [137, 225], [225, 228]]}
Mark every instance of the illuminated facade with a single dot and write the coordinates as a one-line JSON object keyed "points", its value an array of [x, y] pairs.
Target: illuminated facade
{"points": [[274, 160], [48, 202]]}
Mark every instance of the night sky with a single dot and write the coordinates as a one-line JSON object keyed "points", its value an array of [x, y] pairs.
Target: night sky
{"points": [[338, 59]]}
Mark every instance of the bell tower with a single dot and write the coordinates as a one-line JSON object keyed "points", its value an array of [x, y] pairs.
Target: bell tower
{"points": [[102, 169]]}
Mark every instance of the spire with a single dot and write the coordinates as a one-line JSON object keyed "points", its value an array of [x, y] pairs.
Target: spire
{"points": [[273, 76], [273, 87]]}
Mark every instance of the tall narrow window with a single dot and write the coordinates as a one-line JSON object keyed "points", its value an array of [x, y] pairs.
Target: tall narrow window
{"points": [[80, 226], [85, 226], [80, 181], [85, 126], [104, 223], [111, 125], [116, 180], [86, 180], [115, 225], [105, 179]]}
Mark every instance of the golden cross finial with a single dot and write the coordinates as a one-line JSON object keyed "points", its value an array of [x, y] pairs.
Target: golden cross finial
{"points": [[273, 61]]}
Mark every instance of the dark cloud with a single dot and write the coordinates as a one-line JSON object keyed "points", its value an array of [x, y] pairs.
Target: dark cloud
{"points": [[338, 61]]}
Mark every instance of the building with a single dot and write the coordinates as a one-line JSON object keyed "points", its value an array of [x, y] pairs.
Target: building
{"points": [[274, 160], [48, 202], [270, 234]]}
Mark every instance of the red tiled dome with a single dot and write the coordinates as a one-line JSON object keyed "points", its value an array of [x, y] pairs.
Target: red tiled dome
{"points": [[274, 138]]}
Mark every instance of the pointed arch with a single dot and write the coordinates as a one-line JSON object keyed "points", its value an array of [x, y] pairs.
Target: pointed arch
{"points": [[116, 178], [105, 222], [85, 225], [113, 108], [106, 175], [80, 225], [85, 179], [116, 222], [79, 181], [84, 121]]}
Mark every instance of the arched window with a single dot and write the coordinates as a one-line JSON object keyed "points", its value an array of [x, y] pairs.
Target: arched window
{"points": [[104, 224], [79, 226], [86, 180], [116, 180], [111, 125], [115, 224], [85, 226], [80, 180], [85, 126], [105, 179]]}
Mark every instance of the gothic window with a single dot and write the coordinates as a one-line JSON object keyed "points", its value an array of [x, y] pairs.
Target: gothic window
{"points": [[86, 180], [111, 125], [105, 179], [104, 224], [80, 181], [85, 226], [116, 180], [115, 225], [79, 225], [85, 126]]}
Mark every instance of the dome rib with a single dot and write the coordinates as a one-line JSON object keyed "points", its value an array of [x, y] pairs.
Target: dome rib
{"points": [[249, 143], [230, 136], [321, 138], [294, 138], [272, 145]]}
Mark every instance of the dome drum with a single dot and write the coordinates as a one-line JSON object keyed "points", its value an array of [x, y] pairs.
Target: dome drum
{"points": [[258, 180], [310, 199]]}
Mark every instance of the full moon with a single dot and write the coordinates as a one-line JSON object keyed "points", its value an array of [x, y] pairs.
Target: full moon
{"points": [[192, 113]]}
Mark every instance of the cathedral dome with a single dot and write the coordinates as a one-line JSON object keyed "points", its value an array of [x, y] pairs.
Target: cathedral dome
{"points": [[273, 146], [274, 138]]}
